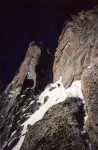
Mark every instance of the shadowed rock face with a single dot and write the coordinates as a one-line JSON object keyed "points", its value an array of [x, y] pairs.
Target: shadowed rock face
{"points": [[44, 75], [15, 102], [25, 74], [90, 90], [58, 130], [16, 95]]}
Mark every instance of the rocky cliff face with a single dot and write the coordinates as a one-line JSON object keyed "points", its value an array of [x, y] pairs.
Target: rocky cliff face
{"points": [[78, 46], [77, 58], [16, 101], [65, 115]]}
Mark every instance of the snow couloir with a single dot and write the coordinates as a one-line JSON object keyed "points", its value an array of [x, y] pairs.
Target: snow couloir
{"points": [[52, 95]]}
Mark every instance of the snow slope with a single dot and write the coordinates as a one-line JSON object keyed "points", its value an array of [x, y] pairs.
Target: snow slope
{"points": [[52, 95]]}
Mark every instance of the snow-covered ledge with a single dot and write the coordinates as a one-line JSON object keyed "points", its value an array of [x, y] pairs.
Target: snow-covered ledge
{"points": [[51, 96]]}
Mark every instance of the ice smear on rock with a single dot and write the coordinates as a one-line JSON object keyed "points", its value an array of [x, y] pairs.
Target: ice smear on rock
{"points": [[56, 95]]}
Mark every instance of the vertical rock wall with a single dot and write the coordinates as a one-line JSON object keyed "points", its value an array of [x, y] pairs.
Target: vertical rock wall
{"points": [[77, 58], [90, 90], [77, 47]]}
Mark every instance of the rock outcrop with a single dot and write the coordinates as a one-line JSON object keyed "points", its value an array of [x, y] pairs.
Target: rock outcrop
{"points": [[16, 94], [77, 47], [90, 90], [77, 58], [19, 100], [26, 75], [58, 130]]}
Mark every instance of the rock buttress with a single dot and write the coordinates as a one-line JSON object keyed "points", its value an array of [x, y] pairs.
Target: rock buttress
{"points": [[18, 96], [77, 46], [77, 58]]}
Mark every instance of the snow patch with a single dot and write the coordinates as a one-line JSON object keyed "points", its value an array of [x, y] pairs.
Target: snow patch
{"points": [[67, 45], [12, 92], [13, 133], [89, 67], [31, 102], [23, 109], [83, 132], [88, 143], [55, 96], [86, 117], [22, 96], [12, 82]]}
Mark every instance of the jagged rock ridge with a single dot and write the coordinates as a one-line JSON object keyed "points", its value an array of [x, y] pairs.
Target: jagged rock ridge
{"points": [[63, 126], [19, 100]]}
